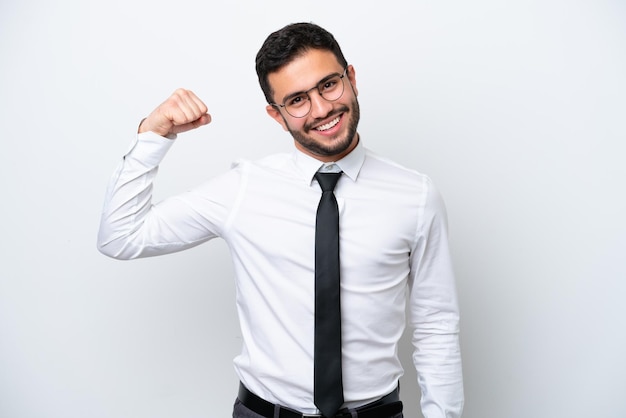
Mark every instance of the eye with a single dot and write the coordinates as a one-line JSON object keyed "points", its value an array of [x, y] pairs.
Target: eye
{"points": [[329, 84], [297, 101]]}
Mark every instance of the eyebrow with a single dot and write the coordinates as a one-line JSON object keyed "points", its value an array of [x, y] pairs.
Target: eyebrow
{"points": [[328, 77]]}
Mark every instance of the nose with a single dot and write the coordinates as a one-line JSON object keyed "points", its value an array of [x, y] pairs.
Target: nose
{"points": [[320, 107]]}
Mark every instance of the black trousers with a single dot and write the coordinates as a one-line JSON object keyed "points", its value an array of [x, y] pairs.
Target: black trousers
{"points": [[240, 411]]}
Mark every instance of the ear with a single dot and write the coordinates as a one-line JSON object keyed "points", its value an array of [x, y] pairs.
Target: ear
{"points": [[276, 115], [351, 73]]}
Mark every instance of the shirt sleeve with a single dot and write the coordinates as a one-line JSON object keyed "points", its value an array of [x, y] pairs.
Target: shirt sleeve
{"points": [[131, 226], [434, 314]]}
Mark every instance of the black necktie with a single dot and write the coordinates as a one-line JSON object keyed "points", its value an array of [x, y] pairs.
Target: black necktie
{"points": [[328, 387]]}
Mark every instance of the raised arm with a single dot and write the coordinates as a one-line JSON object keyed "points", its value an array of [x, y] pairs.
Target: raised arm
{"points": [[131, 226]]}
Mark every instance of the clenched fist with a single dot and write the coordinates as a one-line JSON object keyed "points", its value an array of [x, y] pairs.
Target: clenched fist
{"points": [[181, 112]]}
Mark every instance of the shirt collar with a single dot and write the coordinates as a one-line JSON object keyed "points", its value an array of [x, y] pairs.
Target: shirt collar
{"points": [[350, 165]]}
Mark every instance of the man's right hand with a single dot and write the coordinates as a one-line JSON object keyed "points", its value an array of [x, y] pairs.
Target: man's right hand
{"points": [[181, 112]]}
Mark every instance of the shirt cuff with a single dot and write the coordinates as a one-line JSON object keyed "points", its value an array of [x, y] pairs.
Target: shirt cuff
{"points": [[149, 148]]}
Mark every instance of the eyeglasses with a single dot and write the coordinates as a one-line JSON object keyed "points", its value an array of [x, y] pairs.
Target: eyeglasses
{"points": [[330, 89]]}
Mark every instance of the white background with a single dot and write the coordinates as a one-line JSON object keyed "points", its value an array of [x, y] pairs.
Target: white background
{"points": [[517, 110]]}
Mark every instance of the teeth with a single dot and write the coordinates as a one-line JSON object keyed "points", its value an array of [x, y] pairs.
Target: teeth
{"points": [[328, 125]]}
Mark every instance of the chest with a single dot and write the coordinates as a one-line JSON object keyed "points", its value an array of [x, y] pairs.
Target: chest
{"points": [[378, 223]]}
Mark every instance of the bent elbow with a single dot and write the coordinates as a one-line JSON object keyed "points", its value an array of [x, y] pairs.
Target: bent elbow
{"points": [[115, 248], [110, 251]]}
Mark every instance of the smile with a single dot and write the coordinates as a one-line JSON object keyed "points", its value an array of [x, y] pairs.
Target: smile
{"points": [[328, 125]]}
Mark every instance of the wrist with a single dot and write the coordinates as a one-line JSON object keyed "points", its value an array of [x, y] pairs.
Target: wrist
{"points": [[144, 126], [139, 127]]}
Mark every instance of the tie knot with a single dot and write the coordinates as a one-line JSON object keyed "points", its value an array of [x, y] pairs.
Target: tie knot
{"points": [[327, 181]]}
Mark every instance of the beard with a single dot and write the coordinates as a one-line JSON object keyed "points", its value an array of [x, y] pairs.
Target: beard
{"points": [[339, 145]]}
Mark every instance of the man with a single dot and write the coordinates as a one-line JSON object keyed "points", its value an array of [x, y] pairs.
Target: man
{"points": [[392, 245]]}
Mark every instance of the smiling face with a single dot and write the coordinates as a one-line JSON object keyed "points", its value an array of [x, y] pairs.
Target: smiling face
{"points": [[328, 132]]}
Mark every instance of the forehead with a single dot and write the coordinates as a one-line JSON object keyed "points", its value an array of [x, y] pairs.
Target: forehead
{"points": [[303, 72]]}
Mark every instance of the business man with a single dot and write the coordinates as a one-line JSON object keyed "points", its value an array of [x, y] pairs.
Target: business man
{"points": [[329, 242]]}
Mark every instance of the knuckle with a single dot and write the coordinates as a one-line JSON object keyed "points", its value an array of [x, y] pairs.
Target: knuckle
{"points": [[181, 92], [178, 96]]}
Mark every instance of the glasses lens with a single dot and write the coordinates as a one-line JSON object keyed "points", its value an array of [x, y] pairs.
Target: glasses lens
{"points": [[331, 89], [298, 106]]}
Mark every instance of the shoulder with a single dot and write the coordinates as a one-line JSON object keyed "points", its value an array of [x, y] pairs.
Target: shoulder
{"points": [[268, 162], [274, 168], [392, 171]]}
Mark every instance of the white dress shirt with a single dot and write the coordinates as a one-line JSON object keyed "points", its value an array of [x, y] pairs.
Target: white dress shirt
{"points": [[393, 248]]}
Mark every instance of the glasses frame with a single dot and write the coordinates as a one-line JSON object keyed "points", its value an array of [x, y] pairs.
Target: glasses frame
{"points": [[317, 87]]}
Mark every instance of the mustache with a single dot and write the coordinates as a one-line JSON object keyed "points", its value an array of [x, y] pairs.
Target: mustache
{"points": [[335, 112]]}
